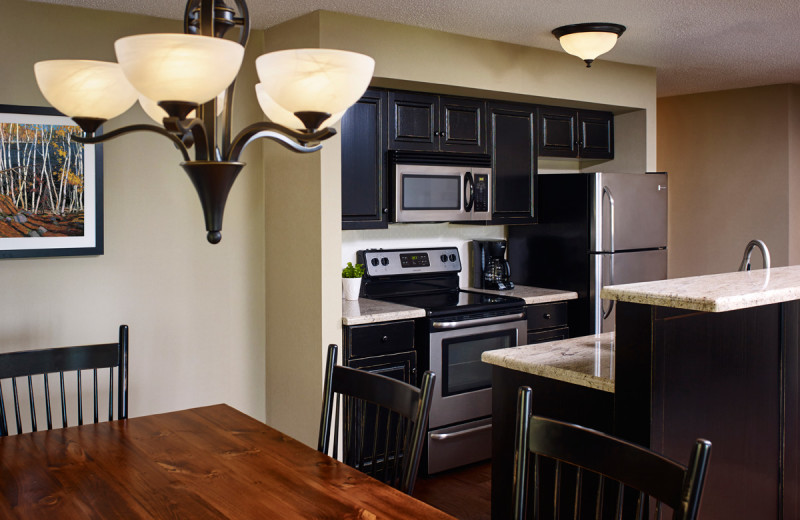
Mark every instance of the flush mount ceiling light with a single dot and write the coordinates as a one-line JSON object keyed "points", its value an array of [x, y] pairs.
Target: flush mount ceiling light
{"points": [[185, 82], [588, 40]]}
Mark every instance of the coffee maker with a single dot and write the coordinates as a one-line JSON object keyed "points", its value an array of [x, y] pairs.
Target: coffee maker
{"points": [[490, 269]]}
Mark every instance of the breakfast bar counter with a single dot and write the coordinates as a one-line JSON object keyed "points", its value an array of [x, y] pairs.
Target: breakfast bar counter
{"points": [[716, 357]]}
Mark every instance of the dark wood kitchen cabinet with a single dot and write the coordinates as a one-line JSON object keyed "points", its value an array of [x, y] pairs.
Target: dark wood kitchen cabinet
{"points": [[547, 322], [512, 129], [432, 123], [365, 179], [383, 348], [583, 134]]}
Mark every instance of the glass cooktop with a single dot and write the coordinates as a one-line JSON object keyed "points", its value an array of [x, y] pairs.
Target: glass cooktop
{"points": [[456, 302]]}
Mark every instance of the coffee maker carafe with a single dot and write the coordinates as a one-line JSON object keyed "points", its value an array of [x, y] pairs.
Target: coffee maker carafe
{"points": [[490, 269]]}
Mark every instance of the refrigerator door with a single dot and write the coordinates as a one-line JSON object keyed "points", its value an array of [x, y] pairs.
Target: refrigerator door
{"points": [[628, 209], [621, 268]]}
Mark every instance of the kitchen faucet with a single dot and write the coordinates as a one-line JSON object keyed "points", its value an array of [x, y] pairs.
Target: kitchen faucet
{"points": [[745, 265]]}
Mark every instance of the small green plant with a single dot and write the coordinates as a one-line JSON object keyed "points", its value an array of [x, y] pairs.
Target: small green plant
{"points": [[353, 271]]}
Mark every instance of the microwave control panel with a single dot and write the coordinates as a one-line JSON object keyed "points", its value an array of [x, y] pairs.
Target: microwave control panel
{"points": [[481, 193]]}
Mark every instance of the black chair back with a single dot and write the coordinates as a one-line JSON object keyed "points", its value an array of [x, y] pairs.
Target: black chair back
{"points": [[32, 363], [383, 422], [595, 475]]}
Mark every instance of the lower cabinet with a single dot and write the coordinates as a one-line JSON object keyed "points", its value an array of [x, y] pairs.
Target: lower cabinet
{"points": [[381, 348], [547, 322]]}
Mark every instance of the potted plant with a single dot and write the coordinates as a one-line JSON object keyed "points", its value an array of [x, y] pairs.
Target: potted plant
{"points": [[351, 280]]}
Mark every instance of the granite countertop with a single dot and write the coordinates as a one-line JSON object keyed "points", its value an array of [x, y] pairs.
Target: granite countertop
{"points": [[715, 292], [533, 295], [364, 310], [586, 360]]}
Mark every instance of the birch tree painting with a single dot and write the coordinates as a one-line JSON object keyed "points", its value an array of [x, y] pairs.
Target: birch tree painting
{"points": [[42, 174]]}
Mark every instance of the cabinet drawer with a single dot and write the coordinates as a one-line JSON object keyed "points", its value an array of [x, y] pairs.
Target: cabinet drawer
{"points": [[548, 335], [547, 315], [373, 340]]}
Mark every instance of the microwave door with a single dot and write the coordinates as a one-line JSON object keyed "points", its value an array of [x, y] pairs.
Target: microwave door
{"points": [[429, 194]]}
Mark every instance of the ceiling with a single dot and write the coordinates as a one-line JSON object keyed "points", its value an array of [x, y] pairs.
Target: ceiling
{"points": [[695, 45]]}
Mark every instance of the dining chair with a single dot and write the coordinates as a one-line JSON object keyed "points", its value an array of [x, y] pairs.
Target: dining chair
{"points": [[30, 364], [383, 422], [617, 478]]}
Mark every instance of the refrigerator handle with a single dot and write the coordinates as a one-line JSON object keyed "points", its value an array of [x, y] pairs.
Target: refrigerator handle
{"points": [[612, 225]]}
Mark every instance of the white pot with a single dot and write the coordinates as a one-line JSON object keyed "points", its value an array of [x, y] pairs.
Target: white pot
{"points": [[351, 287]]}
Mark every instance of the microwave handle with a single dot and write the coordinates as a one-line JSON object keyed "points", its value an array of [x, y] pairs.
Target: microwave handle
{"points": [[469, 193]]}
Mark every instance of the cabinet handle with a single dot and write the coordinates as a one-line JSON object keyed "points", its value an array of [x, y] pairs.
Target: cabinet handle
{"points": [[384, 339]]}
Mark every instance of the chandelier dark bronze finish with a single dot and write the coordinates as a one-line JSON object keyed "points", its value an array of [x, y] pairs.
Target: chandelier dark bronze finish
{"points": [[216, 160]]}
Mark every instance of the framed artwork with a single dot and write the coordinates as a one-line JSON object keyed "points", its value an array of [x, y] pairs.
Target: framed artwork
{"points": [[51, 187]]}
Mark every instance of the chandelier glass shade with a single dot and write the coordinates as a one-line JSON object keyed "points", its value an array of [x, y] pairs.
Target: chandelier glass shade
{"points": [[185, 82], [84, 88], [588, 40]]}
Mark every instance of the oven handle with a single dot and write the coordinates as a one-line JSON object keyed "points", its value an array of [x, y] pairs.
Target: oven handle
{"points": [[453, 325], [445, 436]]}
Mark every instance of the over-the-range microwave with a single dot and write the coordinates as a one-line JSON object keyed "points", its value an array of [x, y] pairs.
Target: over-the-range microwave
{"points": [[441, 187]]}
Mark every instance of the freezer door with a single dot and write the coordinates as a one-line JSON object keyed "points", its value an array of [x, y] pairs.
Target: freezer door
{"points": [[617, 269], [631, 207]]}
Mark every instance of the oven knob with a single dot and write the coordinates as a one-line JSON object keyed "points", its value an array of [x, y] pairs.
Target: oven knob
{"points": [[452, 258], [444, 258], [384, 261], [374, 261]]}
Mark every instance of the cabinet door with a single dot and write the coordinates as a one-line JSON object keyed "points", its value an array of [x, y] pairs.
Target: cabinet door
{"points": [[413, 121], [511, 128], [557, 132], [365, 190], [596, 134], [463, 125], [402, 366]]}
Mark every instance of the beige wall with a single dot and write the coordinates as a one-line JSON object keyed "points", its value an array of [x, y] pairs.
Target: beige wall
{"points": [[196, 311], [733, 176], [303, 198]]}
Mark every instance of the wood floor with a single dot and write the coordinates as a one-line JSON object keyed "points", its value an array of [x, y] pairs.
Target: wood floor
{"points": [[464, 493]]}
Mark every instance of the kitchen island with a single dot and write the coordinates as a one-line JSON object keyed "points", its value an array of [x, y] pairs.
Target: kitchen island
{"points": [[714, 357], [573, 380]]}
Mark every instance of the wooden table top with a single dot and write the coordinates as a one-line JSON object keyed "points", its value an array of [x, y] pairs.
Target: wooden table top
{"points": [[211, 462]]}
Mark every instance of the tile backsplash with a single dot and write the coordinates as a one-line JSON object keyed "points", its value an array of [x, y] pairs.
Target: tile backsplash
{"points": [[420, 235]]}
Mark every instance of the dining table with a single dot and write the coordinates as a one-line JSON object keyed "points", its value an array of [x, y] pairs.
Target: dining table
{"points": [[209, 462]]}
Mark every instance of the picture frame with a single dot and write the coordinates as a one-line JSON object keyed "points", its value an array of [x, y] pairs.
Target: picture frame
{"points": [[51, 187]]}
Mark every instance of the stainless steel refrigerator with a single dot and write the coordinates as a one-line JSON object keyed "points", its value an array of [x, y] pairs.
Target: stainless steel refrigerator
{"points": [[594, 229]]}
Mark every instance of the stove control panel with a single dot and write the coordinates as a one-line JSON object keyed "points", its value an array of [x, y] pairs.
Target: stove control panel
{"points": [[390, 262]]}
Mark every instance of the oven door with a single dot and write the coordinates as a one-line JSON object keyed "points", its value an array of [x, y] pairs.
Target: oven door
{"points": [[464, 383]]}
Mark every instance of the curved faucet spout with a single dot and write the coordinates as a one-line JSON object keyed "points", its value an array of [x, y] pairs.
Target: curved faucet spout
{"points": [[745, 265]]}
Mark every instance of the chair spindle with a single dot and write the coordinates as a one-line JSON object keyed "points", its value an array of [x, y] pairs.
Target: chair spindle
{"points": [[598, 510], [94, 388], [33, 403], [3, 421], [47, 409], [16, 405], [80, 400], [576, 512], [110, 394], [620, 493], [63, 401], [557, 492]]}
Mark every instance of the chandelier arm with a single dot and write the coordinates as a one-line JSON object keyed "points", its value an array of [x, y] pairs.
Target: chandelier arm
{"points": [[268, 129], [244, 21], [135, 128], [197, 128]]}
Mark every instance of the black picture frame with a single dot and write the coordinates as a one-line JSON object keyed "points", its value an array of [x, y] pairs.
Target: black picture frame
{"points": [[49, 233]]}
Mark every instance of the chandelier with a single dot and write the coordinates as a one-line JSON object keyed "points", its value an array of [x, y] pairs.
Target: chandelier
{"points": [[185, 83]]}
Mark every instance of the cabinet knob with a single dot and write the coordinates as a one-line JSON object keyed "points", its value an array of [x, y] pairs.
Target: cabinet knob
{"points": [[386, 210], [384, 339], [547, 316]]}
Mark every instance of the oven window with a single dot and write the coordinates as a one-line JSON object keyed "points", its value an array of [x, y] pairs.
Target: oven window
{"points": [[462, 368], [421, 192]]}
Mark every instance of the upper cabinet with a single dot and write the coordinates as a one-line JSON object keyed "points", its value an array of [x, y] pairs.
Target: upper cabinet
{"points": [[513, 143], [430, 123], [584, 134], [365, 185]]}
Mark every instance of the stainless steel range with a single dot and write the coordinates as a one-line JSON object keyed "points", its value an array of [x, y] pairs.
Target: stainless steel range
{"points": [[460, 326]]}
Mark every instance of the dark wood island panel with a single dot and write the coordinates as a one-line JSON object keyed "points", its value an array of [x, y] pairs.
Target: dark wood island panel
{"points": [[730, 377]]}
